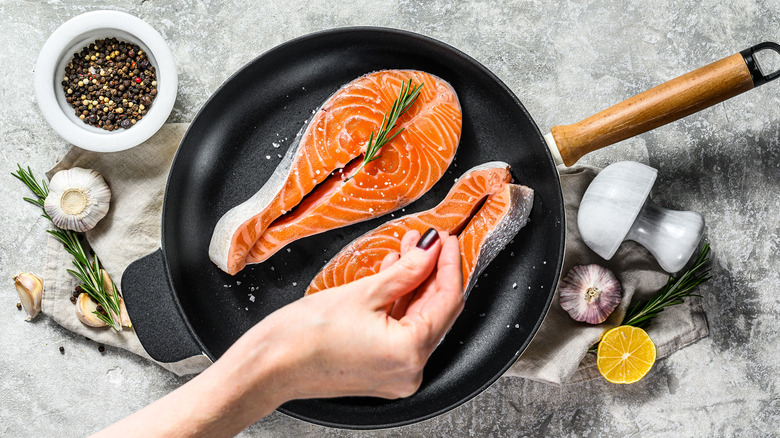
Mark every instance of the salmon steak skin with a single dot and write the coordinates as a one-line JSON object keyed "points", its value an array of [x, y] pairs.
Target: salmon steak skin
{"points": [[483, 209], [310, 192]]}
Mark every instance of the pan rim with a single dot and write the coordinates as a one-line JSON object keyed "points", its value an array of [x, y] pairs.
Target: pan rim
{"points": [[422, 39]]}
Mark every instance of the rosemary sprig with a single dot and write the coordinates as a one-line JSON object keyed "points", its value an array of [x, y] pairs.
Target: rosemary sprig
{"points": [[671, 294], [405, 100], [88, 274]]}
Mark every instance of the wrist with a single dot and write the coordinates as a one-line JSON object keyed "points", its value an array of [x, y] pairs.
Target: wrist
{"points": [[257, 369]]}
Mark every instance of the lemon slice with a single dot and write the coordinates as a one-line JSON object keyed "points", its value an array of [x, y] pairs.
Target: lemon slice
{"points": [[625, 354]]}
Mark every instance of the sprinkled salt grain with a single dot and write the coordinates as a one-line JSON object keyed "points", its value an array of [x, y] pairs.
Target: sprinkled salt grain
{"points": [[246, 308], [403, 209], [224, 285], [279, 155], [395, 233], [512, 254], [251, 298], [484, 275], [317, 171], [295, 283], [238, 283], [517, 325], [275, 144], [481, 315], [272, 268], [288, 250], [507, 326], [440, 148], [267, 157], [514, 285], [370, 210]]}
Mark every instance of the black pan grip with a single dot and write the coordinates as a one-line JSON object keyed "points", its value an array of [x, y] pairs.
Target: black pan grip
{"points": [[153, 311]]}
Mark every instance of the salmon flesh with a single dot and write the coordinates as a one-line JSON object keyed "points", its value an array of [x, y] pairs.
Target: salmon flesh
{"points": [[307, 194], [483, 209]]}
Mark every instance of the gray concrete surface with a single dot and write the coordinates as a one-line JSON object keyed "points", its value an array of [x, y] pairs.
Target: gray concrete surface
{"points": [[566, 61]]}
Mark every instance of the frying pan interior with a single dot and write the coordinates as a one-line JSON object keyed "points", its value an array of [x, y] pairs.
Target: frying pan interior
{"points": [[233, 146]]}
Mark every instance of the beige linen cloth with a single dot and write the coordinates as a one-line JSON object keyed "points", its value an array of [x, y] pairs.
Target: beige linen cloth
{"points": [[131, 230]]}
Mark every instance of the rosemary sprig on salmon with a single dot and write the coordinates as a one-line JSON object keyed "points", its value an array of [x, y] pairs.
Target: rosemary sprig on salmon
{"points": [[406, 98]]}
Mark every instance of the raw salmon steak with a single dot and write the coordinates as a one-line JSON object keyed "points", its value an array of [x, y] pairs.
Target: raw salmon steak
{"points": [[307, 194], [482, 208]]}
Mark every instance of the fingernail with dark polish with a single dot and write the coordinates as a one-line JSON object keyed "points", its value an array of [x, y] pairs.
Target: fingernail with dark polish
{"points": [[428, 239]]}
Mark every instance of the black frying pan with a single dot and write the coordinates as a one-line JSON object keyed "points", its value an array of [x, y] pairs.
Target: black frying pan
{"points": [[183, 305]]}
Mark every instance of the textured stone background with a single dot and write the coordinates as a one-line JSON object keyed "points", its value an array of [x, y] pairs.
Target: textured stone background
{"points": [[566, 61]]}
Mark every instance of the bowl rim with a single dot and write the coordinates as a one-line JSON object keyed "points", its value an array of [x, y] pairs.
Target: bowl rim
{"points": [[47, 80]]}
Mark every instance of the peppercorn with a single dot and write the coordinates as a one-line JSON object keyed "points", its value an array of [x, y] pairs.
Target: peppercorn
{"points": [[19, 306], [62, 350], [102, 75], [101, 348]]}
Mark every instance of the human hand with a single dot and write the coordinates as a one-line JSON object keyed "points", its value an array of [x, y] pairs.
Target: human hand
{"points": [[370, 337], [373, 336]]}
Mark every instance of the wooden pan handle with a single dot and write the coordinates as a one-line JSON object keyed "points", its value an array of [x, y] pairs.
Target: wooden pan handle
{"points": [[665, 103]]}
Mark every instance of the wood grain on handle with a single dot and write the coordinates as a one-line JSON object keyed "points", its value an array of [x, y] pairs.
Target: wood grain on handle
{"points": [[658, 106]]}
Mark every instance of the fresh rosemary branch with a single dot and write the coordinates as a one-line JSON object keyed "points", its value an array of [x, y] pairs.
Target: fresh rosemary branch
{"points": [[673, 293], [405, 100], [89, 274]]}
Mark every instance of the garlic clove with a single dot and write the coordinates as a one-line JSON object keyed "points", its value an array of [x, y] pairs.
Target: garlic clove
{"points": [[108, 284], [30, 290], [85, 308], [589, 293], [78, 198], [125, 318]]}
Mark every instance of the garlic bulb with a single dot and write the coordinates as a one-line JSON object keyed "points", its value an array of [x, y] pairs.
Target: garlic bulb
{"points": [[78, 198], [30, 290], [590, 293]]}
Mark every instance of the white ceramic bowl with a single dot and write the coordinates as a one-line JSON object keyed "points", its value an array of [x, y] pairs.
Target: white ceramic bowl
{"points": [[76, 34]]}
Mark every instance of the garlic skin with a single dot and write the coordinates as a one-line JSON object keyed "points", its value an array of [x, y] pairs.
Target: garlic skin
{"points": [[85, 306], [589, 293], [30, 290], [78, 198]]}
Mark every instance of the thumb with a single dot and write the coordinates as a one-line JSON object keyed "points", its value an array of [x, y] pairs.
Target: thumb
{"points": [[408, 272]]}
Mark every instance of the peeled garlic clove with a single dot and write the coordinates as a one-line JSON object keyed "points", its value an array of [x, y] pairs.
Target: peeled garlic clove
{"points": [[30, 290], [85, 308], [590, 293], [78, 198]]}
